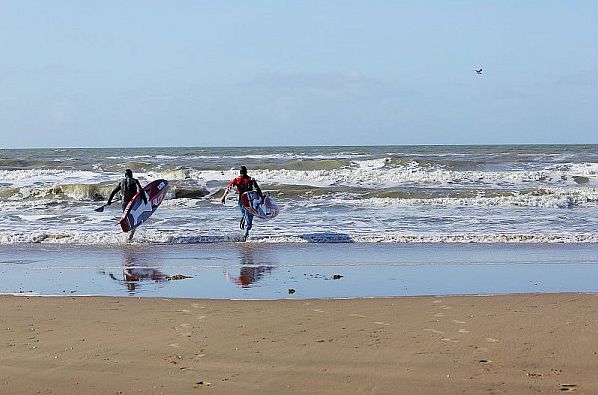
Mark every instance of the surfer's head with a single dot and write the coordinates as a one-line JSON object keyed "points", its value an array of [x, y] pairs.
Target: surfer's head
{"points": [[128, 173], [243, 171]]}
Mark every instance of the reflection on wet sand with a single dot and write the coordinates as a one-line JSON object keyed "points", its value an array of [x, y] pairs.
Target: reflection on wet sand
{"points": [[252, 268], [133, 273]]}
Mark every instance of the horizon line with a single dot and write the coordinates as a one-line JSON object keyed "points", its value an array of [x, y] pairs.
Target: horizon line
{"points": [[304, 146]]}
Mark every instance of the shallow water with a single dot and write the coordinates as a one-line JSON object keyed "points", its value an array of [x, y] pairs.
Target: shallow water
{"points": [[268, 271]]}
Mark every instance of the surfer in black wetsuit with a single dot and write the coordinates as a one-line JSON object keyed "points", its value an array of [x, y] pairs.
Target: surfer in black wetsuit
{"points": [[128, 186], [243, 183]]}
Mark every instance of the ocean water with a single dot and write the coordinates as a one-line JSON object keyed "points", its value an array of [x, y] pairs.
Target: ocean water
{"points": [[392, 194]]}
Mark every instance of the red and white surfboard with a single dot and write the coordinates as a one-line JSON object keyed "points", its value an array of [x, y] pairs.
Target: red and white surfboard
{"points": [[137, 212], [267, 209]]}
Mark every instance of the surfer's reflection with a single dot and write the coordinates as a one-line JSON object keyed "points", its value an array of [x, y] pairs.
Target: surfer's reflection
{"points": [[251, 270], [133, 274]]}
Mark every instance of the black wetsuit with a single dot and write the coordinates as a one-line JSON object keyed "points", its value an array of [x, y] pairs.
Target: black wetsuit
{"points": [[128, 187]]}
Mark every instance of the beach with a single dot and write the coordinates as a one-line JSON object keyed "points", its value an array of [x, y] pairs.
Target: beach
{"points": [[527, 343], [316, 198], [298, 318], [309, 318], [389, 270]]}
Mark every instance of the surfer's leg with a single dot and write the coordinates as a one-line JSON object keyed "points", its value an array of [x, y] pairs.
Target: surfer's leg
{"points": [[248, 223], [131, 234], [243, 213]]}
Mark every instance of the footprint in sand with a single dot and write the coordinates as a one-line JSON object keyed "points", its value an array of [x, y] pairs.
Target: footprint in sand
{"points": [[183, 311], [458, 322], [492, 340], [381, 323], [201, 317], [185, 325], [439, 315], [568, 387], [357, 315], [437, 301], [174, 345], [319, 311], [434, 331], [463, 330], [446, 307], [446, 339]]}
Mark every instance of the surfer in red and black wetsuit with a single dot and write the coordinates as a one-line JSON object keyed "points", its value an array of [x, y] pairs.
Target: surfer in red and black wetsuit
{"points": [[243, 183], [128, 186]]}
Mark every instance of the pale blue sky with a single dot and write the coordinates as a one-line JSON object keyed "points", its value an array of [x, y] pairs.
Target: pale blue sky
{"points": [[226, 73]]}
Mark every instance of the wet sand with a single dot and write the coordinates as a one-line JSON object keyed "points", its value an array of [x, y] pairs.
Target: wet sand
{"points": [[516, 344]]}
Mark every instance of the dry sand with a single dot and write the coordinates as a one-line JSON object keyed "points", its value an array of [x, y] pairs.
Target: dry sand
{"points": [[517, 344]]}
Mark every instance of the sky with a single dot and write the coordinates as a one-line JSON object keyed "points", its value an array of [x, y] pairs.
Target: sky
{"points": [[261, 73]]}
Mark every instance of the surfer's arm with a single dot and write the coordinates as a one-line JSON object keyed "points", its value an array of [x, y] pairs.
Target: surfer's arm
{"points": [[258, 190], [112, 194], [141, 191], [227, 190]]}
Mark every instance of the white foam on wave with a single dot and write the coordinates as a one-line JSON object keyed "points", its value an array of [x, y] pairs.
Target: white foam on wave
{"points": [[47, 177], [548, 198], [34, 217], [372, 163], [228, 156], [579, 169], [376, 174], [370, 173], [129, 157], [439, 238], [302, 156], [112, 238]]}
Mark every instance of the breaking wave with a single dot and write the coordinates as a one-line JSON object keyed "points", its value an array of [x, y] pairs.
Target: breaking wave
{"points": [[428, 194], [92, 238]]}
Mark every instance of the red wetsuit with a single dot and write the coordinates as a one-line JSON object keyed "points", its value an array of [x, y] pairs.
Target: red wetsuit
{"points": [[243, 184]]}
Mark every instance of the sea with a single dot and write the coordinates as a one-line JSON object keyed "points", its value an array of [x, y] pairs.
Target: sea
{"points": [[377, 221], [342, 194]]}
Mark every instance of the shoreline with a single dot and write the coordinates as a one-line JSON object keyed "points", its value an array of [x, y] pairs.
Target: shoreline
{"points": [[153, 237], [522, 343], [298, 299]]}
